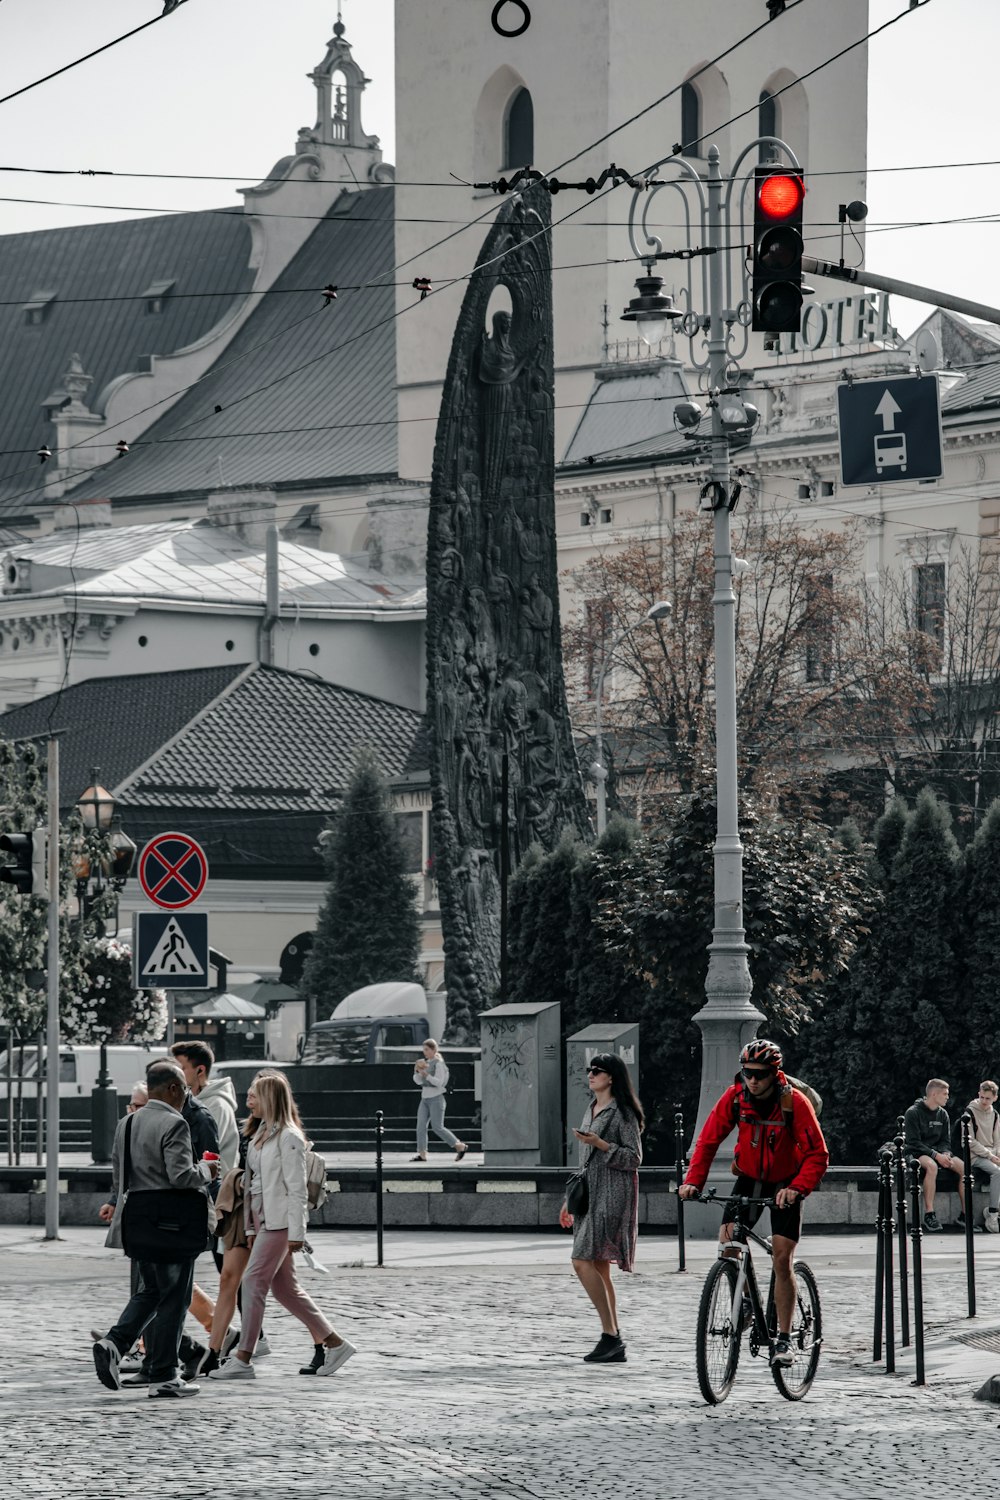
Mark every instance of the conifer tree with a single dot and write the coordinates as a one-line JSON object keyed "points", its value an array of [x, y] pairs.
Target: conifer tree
{"points": [[922, 1028], [369, 927], [980, 908]]}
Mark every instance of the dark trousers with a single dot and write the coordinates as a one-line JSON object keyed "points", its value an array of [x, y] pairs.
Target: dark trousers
{"points": [[158, 1308]]}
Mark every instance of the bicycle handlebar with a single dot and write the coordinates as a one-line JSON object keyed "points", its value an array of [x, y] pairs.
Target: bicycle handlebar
{"points": [[712, 1197]]}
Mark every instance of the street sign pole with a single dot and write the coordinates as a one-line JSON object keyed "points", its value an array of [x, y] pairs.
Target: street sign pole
{"points": [[861, 277], [52, 1015]]}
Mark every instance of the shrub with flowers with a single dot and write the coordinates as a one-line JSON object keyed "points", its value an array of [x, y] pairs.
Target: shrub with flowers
{"points": [[111, 1009]]}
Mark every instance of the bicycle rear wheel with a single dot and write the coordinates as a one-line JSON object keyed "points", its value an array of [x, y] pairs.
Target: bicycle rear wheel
{"points": [[717, 1351], [794, 1380]]}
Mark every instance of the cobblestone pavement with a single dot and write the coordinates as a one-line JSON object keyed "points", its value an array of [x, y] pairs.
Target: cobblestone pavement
{"points": [[468, 1382]]}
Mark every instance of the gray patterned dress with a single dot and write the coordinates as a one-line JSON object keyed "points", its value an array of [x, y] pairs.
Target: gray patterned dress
{"points": [[607, 1231]]}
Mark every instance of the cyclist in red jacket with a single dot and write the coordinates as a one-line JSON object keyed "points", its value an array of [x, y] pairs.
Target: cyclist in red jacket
{"points": [[780, 1154]]}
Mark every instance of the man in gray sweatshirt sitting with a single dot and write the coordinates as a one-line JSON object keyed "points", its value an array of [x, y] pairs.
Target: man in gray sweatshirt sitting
{"points": [[927, 1138]]}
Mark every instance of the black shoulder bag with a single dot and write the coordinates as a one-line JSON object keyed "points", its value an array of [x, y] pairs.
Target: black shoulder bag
{"points": [[161, 1225]]}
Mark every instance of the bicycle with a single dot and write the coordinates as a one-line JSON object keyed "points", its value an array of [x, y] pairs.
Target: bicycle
{"points": [[731, 1304]]}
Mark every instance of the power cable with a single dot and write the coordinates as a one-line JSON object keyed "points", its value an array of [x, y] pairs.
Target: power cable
{"points": [[26, 88]]}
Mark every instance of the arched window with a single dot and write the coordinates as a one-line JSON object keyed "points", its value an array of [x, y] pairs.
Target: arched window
{"points": [[767, 120], [519, 131], [690, 119]]}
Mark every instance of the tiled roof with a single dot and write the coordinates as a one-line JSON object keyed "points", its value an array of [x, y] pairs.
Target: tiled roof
{"points": [[202, 561], [325, 402], [206, 255], [116, 723], [247, 760], [629, 415], [277, 743], [979, 392]]}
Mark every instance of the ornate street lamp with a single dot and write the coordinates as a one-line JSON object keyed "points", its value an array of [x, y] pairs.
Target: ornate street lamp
{"points": [[720, 323], [96, 807]]}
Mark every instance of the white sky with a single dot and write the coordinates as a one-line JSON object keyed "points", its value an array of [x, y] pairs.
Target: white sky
{"points": [[220, 87]]}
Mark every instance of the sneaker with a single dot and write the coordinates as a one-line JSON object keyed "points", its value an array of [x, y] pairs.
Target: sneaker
{"points": [[191, 1356], [231, 1339], [234, 1369], [334, 1357], [609, 1350], [960, 1221], [783, 1350], [210, 1360], [107, 1363], [130, 1363], [140, 1377], [263, 1347], [96, 1335], [318, 1359], [931, 1224], [168, 1388], [991, 1221]]}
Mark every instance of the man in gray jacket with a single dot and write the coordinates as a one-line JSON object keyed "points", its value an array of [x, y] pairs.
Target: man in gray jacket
{"points": [[161, 1160]]}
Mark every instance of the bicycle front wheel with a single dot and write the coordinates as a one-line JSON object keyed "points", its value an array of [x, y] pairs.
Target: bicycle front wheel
{"points": [[717, 1352], [794, 1380]]}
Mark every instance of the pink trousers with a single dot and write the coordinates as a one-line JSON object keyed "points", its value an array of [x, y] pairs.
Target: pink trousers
{"points": [[271, 1269]]}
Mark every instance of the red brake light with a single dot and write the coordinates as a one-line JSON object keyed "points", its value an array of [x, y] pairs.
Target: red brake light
{"points": [[780, 196]]}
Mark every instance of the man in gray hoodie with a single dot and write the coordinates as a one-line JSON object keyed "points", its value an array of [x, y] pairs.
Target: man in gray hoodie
{"points": [[195, 1059]]}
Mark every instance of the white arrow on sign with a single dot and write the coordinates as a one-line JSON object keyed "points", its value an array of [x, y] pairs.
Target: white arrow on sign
{"points": [[888, 411], [173, 954]]}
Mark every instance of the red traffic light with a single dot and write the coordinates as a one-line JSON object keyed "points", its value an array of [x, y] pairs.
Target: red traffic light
{"points": [[780, 195]]}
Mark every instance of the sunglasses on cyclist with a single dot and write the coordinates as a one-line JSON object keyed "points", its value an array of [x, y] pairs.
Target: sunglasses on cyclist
{"points": [[758, 1073]]}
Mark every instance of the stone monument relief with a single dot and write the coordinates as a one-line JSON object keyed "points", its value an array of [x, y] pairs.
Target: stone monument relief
{"points": [[494, 658]]}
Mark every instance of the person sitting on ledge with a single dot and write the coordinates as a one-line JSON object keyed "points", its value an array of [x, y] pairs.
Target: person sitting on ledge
{"points": [[927, 1139]]}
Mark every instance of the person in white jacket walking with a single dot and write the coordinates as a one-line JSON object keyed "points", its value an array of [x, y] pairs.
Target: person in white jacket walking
{"points": [[984, 1147], [276, 1206], [430, 1074]]}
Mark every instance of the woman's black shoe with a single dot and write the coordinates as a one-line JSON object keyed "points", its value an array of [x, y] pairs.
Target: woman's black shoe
{"points": [[609, 1350], [317, 1361]]}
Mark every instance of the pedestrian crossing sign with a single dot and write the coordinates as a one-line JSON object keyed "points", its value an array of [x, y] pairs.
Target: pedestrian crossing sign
{"points": [[170, 949]]}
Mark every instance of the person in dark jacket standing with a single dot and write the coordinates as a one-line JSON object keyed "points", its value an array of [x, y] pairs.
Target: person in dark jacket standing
{"points": [[927, 1139], [161, 1160], [780, 1154]]}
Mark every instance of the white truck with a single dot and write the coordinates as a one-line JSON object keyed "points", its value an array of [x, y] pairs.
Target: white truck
{"points": [[374, 1018]]}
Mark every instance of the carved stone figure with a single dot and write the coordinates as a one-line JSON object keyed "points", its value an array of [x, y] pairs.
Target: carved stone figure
{"points": [[494, 662]]}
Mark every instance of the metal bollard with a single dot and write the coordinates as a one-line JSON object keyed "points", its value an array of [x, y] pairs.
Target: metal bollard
{"points": [[916, 1236], [879, 1267], [890, 1228], [904, 1296], [679, 1167], [970, 1253], [379, 1132]]}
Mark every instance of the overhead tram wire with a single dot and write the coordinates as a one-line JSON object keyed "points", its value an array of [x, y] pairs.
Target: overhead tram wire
{"points": [[106, 47]]}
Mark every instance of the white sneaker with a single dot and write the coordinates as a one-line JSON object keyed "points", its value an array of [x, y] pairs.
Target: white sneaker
{"points": [[234, 1369], [991, 1221], [169, 1388], [130, 1363], [336, 1356], [263, 1347]]}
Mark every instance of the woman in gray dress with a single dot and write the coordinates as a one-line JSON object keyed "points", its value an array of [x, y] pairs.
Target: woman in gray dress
{"points": [[612, 1151]]}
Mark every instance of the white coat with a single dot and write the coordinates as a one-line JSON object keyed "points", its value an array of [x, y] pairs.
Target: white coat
{"points": [[282, 1181]]}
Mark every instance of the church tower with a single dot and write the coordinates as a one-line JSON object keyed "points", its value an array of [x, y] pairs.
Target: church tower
{"points": [[472, 104]]}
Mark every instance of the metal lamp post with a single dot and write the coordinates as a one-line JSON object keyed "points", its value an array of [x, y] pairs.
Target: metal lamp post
{"points": [[728, 1017], [97, 813], [598, 770]]}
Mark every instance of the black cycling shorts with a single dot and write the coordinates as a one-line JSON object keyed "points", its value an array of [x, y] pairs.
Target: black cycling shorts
{"points": [[784, 1221]]}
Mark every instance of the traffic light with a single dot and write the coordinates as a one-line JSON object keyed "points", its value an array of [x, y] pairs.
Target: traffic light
{"points": [[777, 251], [27, 873]]}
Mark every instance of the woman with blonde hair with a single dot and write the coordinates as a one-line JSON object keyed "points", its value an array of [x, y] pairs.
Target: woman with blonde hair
{"points": [[276, 1210]]}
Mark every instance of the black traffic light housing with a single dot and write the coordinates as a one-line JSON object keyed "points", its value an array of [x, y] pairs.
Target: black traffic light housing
{"points": [[27, 871], [777, 251]]}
